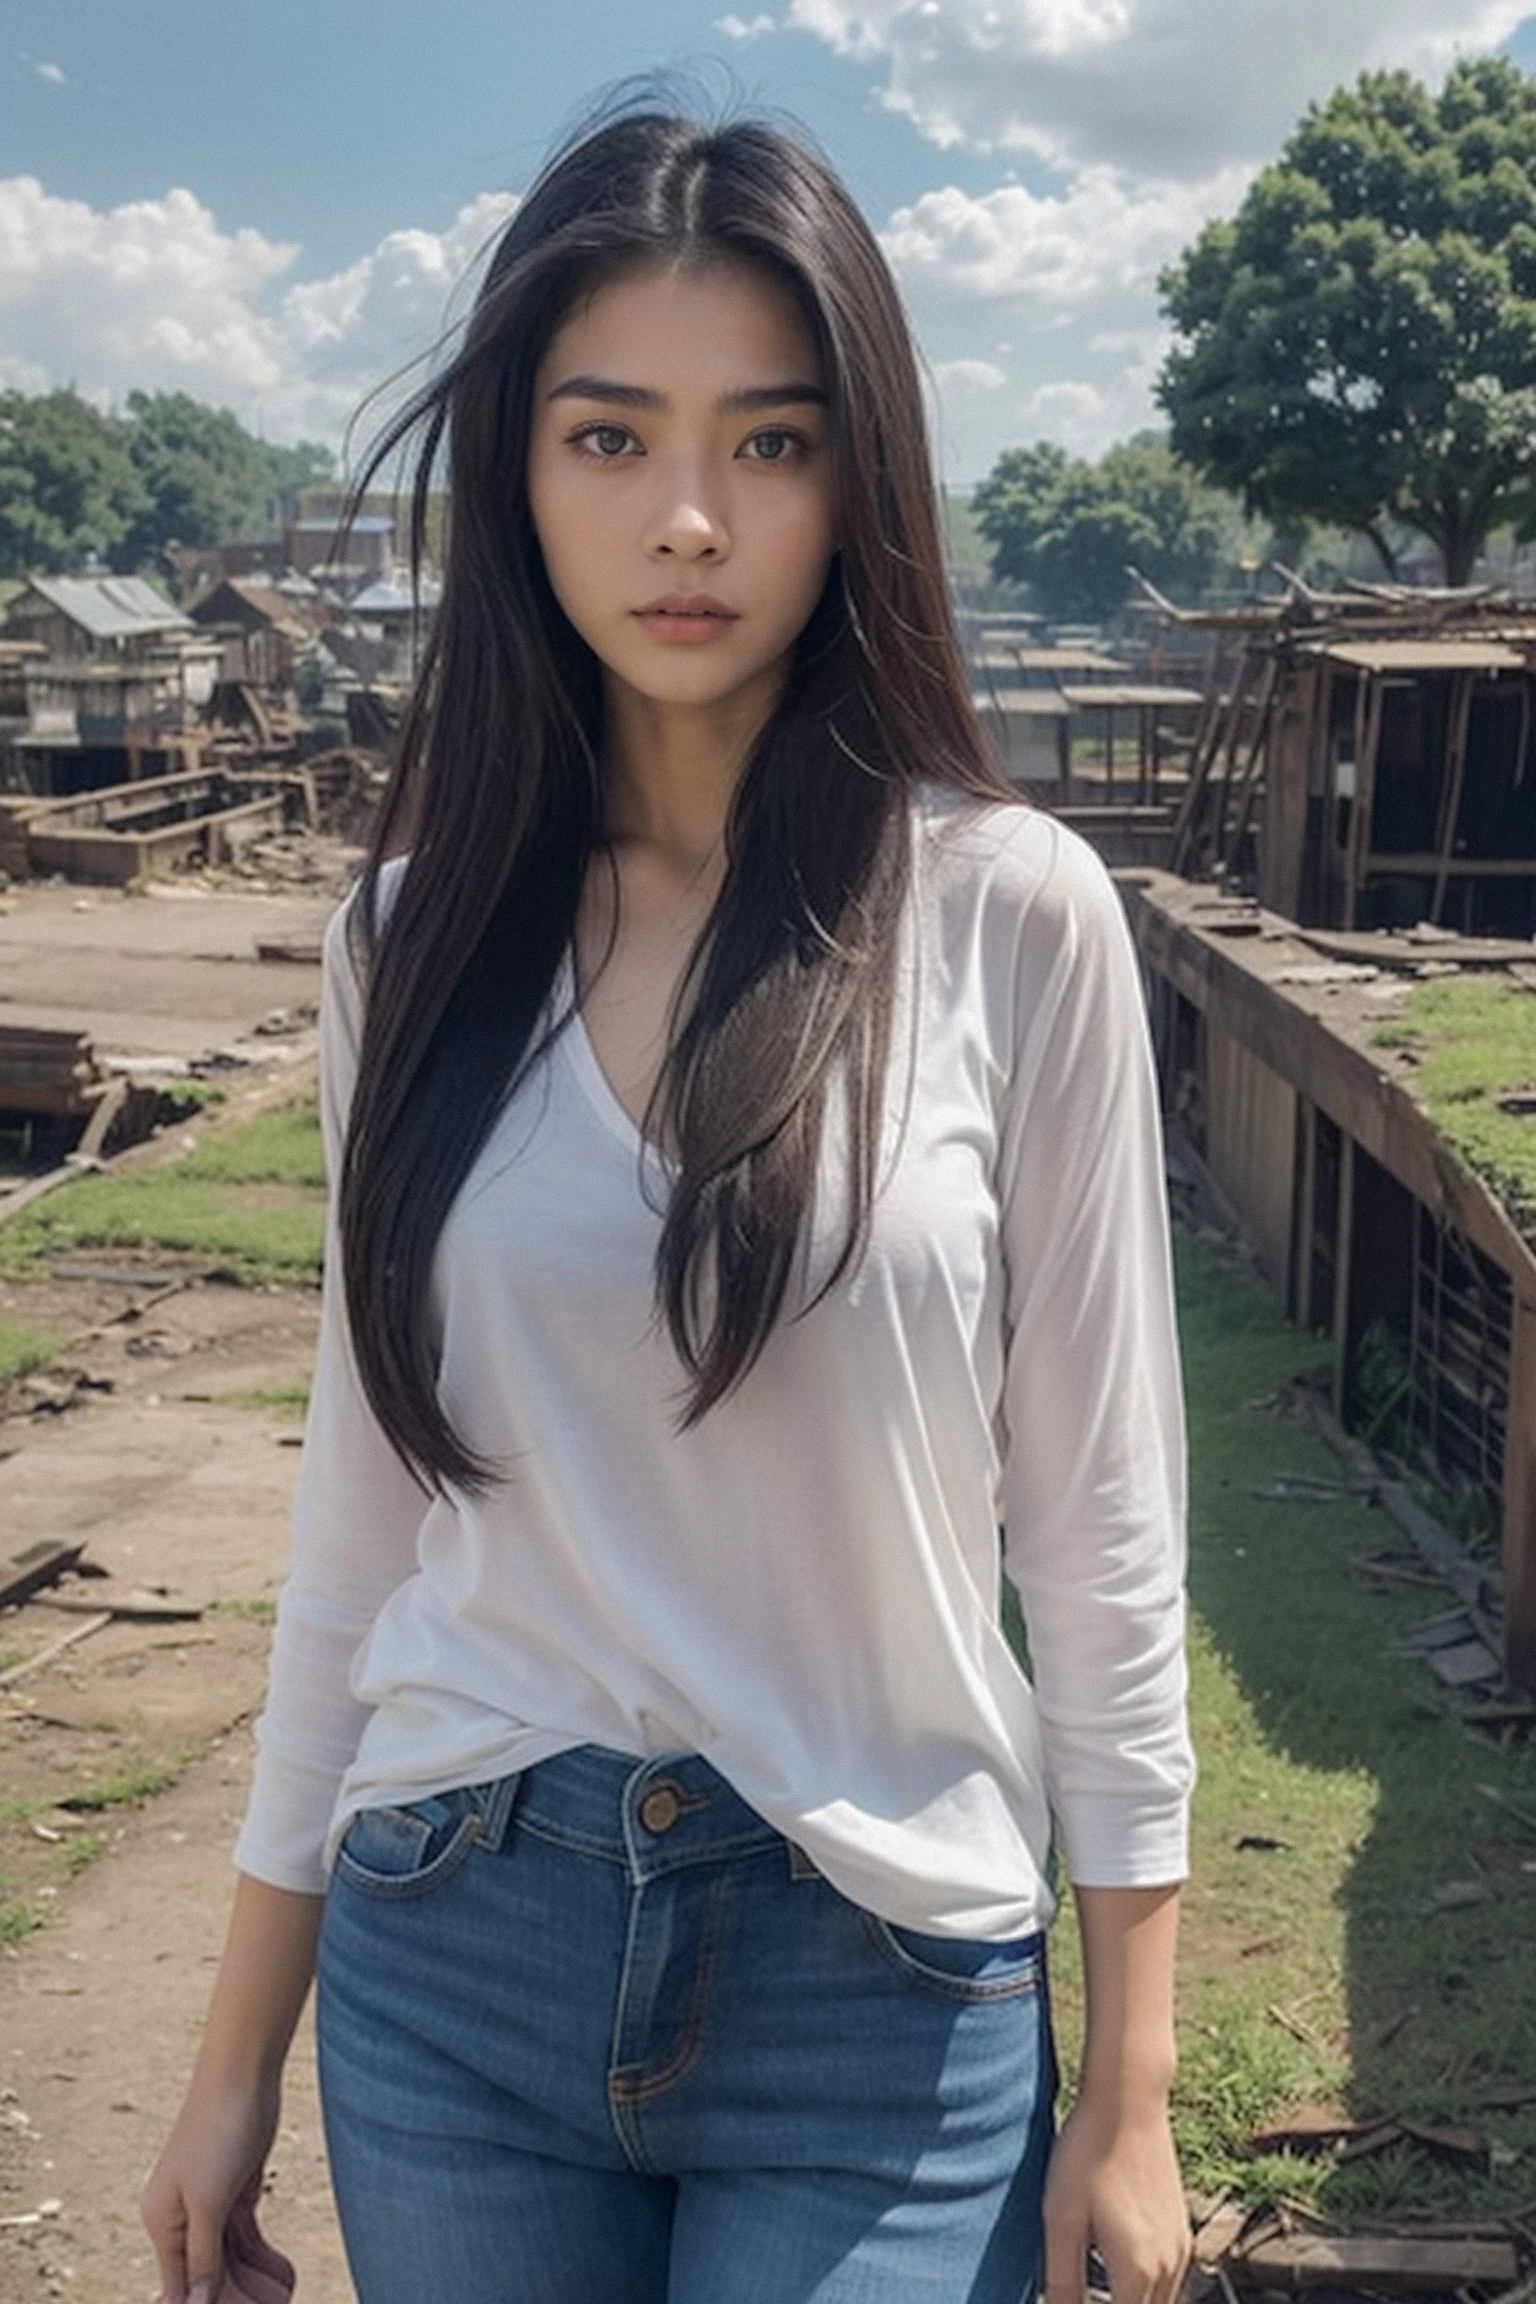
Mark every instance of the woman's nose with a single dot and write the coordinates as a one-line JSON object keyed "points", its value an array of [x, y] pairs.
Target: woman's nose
{"points": [[687, 525]]}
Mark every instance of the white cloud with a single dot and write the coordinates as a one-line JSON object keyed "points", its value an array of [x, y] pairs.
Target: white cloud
{"points": [[154, 294], [1169, 88], [53, 72], [969, 376], [1059, 254], [1063, 287], [746, 28]]}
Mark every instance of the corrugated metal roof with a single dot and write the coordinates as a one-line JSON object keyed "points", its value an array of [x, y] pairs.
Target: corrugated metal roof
{"points": [[1425, 655], [111, 607], [1127, 697], [384, 599], [1067, 660], [1032, 703]]}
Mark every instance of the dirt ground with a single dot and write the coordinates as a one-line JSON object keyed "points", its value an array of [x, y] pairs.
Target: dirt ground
{"points": [[175, 1482], [172, 972], [166, 1437]]}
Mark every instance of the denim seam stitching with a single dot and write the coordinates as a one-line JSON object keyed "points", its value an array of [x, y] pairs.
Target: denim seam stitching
{"points": [[641, 2091], [976, 1991], [399, 1887], [570, 1836]]}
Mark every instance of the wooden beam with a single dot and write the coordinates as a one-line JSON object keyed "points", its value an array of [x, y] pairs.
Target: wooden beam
{"points": [[1300, 1306], [1234, 830], [1203, 760], [1450, 790], [1343, 1260], [1455, 867], [1364, 802], [1519, 1529]]}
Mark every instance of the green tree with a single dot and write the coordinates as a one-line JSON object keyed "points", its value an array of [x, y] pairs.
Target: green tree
{"points": [[1358, 345], [206, 479], [68, 486], [1070, 530]]}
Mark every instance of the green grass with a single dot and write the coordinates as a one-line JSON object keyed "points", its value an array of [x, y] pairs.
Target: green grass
{"points": [[24, 1347], [260, 1611], [251, 1202], [280, 1399], [1475, 1039], [1310, 1731], [18, 1919], [81, 1849], [118, 1791]]}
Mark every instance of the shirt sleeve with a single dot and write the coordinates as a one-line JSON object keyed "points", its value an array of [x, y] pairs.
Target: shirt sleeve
{"points": [[1093, 1484], [355, 1522]]}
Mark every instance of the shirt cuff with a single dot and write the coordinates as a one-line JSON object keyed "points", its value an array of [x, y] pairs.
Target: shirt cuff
{"points": [[1120, 1840]]}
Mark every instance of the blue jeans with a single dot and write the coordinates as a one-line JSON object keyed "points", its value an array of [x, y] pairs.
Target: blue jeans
{"points": [[597, 2034]]}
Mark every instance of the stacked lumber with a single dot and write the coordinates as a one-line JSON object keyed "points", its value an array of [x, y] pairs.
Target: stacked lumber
{"points": [[52, 1072]]}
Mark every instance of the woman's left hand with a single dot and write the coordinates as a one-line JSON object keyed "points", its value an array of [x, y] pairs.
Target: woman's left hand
{"points": [[1114, 2182]]}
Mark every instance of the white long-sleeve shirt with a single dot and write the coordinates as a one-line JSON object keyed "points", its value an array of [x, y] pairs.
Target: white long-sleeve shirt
{"points": [[805, 1587]]}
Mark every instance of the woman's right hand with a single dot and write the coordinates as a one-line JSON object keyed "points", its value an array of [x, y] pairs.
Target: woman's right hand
{"points": [[200, 2204], [209, 2172]]}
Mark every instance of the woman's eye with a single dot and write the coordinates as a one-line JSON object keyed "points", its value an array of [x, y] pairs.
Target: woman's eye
{"points": [[605, 441], [773, 446]]}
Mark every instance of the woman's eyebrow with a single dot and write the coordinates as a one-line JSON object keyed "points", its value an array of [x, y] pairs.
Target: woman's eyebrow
{"points": [[613, 394]]}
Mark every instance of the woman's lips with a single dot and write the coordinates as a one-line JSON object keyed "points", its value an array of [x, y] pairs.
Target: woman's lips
{"points": [[686, 620]]}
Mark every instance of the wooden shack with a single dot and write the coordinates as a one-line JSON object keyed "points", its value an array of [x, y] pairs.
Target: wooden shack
{"points": [[1368, 762]]}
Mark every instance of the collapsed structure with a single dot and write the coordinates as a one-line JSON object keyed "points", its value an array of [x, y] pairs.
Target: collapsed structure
{"points": [[1359, 818]]}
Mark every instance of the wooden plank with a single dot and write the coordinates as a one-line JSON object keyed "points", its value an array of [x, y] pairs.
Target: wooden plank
{"points": [[1455, 867], [1401, 2267], [1300, 1306], [1234, 829], [1343, 1259], [1519, 1512], [1365, 801], [39, 1564], [1450, 796], [1203, 761], [56, 1648]]}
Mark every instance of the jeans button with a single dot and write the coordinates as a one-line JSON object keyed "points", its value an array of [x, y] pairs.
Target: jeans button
{"points": [[660, 1809]]}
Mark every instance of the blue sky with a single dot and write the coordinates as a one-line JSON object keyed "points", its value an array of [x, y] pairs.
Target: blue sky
{"points": [[268, 207]]}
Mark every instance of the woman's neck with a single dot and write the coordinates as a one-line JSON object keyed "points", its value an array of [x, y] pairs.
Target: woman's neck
{"points": [[670, 771]]}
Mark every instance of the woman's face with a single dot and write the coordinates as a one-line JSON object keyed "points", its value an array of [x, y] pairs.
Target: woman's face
{"points": [[680, 479]]}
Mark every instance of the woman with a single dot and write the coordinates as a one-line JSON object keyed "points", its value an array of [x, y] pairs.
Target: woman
{"points": [[748, 1195]]}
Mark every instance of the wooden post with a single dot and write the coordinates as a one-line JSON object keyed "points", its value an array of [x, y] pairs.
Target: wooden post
{"points": [[1359, 852], [1451, 783], [1234, 831], [1109, 754], [1342, 1259], [1520, 1502], [1222, 729], [1064, 757], [1300, 1306]]}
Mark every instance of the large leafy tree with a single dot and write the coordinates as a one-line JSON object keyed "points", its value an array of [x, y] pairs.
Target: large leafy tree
{"points": [[206, 479], [1358, 345], [68, 486], [1070, 529]]}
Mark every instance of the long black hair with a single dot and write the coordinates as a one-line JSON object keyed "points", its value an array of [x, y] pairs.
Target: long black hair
{"points": [[496, 794]]}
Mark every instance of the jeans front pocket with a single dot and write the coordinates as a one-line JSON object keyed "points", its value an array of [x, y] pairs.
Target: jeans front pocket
{"points": [[409, 1851], [961, 1967]]}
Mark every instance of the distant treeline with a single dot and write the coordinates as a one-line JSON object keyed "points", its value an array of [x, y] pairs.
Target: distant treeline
{"points": [[75, 483]]}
